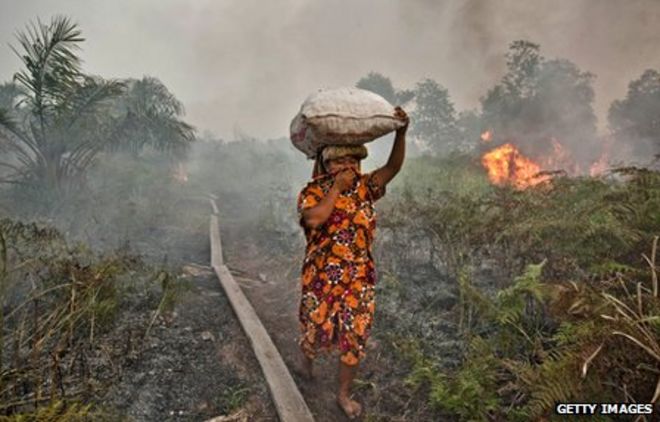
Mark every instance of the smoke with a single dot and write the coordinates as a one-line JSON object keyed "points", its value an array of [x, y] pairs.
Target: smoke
{"points": [[616, 41], [249, 64]]}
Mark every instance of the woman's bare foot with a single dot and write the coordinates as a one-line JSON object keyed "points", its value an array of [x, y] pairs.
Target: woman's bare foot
{"points": [[352, 408], [305, 368]]}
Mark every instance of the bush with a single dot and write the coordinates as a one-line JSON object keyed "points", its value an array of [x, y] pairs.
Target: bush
{"points": [[581, 326]]}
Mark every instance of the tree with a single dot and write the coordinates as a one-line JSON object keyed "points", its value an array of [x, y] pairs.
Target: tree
{"points": [[58, 106], [470, 127], [539, 100], [382, 85], [524, 63], [64, 118], [149, 115], [636, 118], [563, 106], [434, 117], [504, 106], [9, 102], [10, 94]]}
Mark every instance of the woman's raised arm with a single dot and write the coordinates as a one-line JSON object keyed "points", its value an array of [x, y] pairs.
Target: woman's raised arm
{"points": [[385, 174]]}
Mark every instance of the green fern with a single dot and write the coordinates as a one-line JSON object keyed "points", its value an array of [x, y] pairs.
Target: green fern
{"points": [[471, 392], [512, 301]]}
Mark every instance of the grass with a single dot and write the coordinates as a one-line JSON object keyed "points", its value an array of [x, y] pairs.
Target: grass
{"points": [[233, 398], [59, 301]]}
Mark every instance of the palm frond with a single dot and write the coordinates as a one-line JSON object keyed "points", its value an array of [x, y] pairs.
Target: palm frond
{"points": [[10, 95], [15, 142], [12, 131], [6, 121], [150, 95], [88, 98], [52, 67], [151, 118]]}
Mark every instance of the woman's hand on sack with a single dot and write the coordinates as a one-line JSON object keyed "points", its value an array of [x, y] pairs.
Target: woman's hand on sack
{"points": [[400, 114], [344, 179]]}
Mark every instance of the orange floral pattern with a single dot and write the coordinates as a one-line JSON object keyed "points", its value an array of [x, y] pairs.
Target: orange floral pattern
{"points": [[338, 273]]}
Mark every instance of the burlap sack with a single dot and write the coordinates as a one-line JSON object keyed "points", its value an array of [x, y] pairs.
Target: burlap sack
{"points": [[341, 116]]}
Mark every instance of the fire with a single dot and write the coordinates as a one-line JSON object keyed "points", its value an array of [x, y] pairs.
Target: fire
{"points": [[487, 136], [559, 159], [560, 155], [599, 166], [506, 165]]}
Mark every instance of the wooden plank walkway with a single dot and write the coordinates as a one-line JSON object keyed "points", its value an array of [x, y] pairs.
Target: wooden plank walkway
{"points": [[290, 405]]}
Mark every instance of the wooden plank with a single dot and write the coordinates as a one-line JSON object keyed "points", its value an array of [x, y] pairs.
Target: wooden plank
{"points": [[213, 205], [290, 405], [288, 401], [216, 246]]}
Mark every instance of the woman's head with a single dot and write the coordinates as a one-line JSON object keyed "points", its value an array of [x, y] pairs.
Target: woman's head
{"points": [[336, 158]]}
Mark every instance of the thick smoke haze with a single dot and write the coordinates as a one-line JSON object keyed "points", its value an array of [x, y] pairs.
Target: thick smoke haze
{"points": [[244, 67]]}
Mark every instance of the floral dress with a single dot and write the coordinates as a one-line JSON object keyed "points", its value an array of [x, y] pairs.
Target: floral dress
{"points": [[338, 273]]}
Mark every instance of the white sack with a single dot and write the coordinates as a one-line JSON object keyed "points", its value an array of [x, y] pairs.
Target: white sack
{"points": [[341, 116]]}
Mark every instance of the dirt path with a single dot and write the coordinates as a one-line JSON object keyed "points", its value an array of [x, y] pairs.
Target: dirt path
{"points": [[273, 289], [200, 364], [275, 298]]}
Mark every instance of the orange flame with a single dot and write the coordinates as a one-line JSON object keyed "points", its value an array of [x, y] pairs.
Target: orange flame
{"points": [[559, 159], [560, 155], [599, 167], [506, 165], [487, 136]]}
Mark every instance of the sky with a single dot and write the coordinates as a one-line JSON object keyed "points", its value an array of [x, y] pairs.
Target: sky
{"points": [[243, 67]]}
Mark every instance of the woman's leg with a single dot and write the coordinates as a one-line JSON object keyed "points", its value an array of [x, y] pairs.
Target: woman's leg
{"points": [[346, 376], [306, 366]]}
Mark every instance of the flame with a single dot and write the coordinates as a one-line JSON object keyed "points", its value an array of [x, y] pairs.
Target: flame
{"points": [[487, 136], [506, 165], [560, 154], [560, 159], [180, 173], [599, 167]]}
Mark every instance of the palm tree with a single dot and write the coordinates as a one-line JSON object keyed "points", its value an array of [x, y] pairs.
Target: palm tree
{"points": [[10, 94], [150, 117], [53, 132], [64, 118]]}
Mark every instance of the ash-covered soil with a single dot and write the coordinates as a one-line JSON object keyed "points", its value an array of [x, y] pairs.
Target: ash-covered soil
{"points": [[194, 365]]}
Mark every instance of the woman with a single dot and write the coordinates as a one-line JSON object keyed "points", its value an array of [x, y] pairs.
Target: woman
{"points": [[338, 275]]}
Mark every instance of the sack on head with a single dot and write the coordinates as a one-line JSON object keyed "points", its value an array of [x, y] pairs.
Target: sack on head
{"points": [[341, 116]]}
